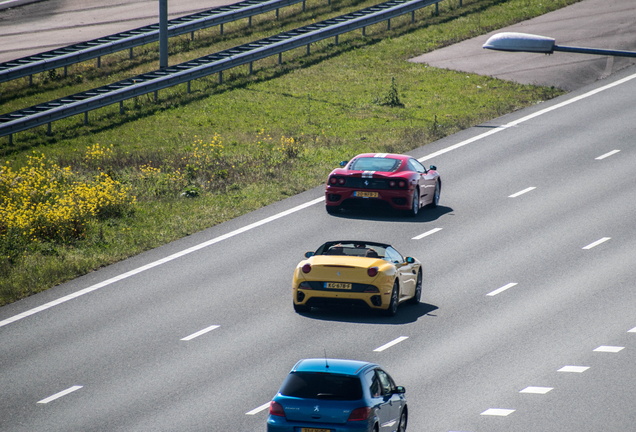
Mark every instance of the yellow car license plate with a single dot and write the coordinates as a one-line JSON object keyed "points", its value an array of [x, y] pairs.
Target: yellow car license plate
{"points": [[363, 194], [338, 285], [314, 430]]}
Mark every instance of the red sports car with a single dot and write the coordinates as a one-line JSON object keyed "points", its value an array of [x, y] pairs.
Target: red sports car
{"points": [[400, 181]]}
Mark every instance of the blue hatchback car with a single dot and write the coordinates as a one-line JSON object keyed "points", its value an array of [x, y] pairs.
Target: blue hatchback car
{"points": [[334, 395]]}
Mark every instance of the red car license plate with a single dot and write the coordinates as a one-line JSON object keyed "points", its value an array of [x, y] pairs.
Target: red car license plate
{"points": [[363, 194], [314, 430]]}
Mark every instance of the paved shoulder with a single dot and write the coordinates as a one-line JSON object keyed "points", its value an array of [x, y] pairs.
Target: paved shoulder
{"points": [[609, 24]]}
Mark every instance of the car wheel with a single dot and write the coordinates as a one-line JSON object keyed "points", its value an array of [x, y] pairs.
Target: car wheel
{"points": [[403, 421], [393, 305], [332, 209], [301, 308], [438, 191], [415, 204], [418, 289]]}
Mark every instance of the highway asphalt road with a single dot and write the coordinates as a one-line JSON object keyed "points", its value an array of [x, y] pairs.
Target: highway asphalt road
{"points": [[524, 323], [46, 25]]}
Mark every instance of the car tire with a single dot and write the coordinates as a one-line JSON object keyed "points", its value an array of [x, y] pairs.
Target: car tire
{"points": [[394, 303], [301, 308], [415, 203], [418, 290], [436, 195], [404, 418], [332, 209]]}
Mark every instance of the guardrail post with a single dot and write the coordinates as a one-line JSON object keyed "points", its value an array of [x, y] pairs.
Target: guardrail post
{"points": [[460, 3], [303, 5], [188, 86], [30, 80], [10, 139], [99, 61], [221, 77], [130, 54], [221, 28], [336, 39], [413, 16], [156, 94], [280, 58], [85, 117], [307, 49], [251, 68], [437, 9], [48, 129], [65, 71], [191, 35], [249, 22], [276, 13], [388, 24], [121, 107]]}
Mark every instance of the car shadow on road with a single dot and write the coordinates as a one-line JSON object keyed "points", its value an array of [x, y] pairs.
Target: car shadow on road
{"points": [[425, 214], [406, 314]]}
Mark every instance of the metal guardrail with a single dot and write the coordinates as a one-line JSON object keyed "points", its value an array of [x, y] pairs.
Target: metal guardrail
{"points": [[77, 53], [214, 63]]}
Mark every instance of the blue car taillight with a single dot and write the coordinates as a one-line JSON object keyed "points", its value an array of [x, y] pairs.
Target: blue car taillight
{"points": [[360, 414], [276, 409]]}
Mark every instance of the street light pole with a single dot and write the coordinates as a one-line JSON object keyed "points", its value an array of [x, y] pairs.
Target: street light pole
{"points": [[163, 34], [523, 42]]}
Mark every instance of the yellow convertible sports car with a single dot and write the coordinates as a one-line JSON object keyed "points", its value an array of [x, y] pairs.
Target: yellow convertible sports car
{"points": [[361, 273]]}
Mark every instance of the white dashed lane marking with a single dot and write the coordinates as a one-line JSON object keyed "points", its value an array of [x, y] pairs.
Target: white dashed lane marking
{"points": [[502, 289], [575, 369], [609, 349], [607, 154], [536, 390], [60, 394], [200, 332], [596, 243], [515, 195], [427, 233], [498, 412], [390, 344], [632, 330], [259, 409]]}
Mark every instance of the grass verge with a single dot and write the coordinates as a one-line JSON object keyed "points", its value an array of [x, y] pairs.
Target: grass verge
{"points": [[195, 160]]}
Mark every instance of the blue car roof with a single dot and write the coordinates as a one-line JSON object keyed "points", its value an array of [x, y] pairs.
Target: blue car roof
{"points": [[339, 366]]}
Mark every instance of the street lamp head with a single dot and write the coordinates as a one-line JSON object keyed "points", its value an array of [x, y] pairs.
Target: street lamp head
{"points": [[520, 42]]}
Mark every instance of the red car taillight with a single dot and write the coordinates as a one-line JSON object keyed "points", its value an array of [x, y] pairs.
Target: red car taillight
{"points": [[373, 271], [306, 268], [360, 414], [333, 180], [402, 183], [341, 181], [392, 183], [276, 409]]}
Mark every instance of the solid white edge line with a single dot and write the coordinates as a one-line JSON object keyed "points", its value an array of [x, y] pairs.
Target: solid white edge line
{"points": [[528, 117], [596, 243], [60, 394], [427, 233], [390, 344], [522, 192], [502, 289], [259, 409], [632, 330], [159, 262], [302, 206], [200, 332], [613, 152]]}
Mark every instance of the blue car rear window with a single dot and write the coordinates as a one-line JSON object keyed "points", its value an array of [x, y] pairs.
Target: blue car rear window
{"points": [[316, 385], [375, 164]]}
